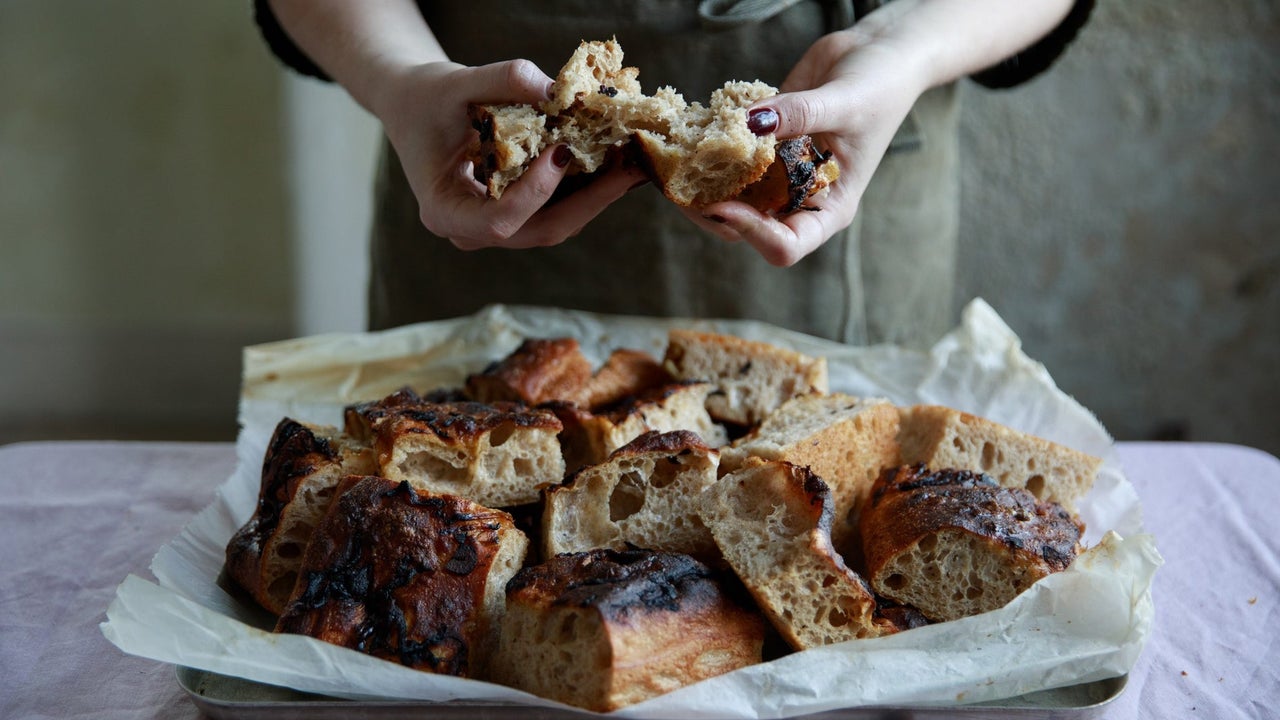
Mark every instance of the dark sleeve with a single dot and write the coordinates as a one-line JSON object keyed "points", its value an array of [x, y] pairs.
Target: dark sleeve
{"points": [[281, 45], [1037, 58]]}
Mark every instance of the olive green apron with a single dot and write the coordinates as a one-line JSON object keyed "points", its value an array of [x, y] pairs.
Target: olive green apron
{"points": [[888, 278]]}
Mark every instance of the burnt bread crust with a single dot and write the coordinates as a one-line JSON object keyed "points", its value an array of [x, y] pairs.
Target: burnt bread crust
{"points": [[605, 629], [300, 471], [414, 578], [497, 454], [954, 543], [646, 495], [800, 171]]}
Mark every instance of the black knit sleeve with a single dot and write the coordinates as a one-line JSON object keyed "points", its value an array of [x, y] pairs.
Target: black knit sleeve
{"points": [[281, 45], [1040, 56]]}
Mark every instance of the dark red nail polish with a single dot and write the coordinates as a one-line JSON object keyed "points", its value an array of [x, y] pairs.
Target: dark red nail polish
{"points": [[762, 121], [561, 156], [716, 218]]}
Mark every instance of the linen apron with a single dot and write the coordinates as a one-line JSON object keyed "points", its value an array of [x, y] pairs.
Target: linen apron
{"points": [[887, 278]]}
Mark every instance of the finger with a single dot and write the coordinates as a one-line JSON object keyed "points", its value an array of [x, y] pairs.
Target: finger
{"points": [[799, 113], [567, 217], [780, 243], [496, 223], [713, 223], [510, 81]]}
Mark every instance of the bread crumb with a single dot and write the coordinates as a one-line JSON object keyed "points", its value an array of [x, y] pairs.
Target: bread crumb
{"points": [[1184, 673], [1253, 600]]}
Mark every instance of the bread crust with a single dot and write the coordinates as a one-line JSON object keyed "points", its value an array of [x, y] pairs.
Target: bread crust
{"points": [[606, 629], [412, 578], [540, 370], [931, 539]]}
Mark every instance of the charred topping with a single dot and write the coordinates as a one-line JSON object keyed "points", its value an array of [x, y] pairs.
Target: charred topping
{"points": [[293, 453], [461, 419], [610, 91]]}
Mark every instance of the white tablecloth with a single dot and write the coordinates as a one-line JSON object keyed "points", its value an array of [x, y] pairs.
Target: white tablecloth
{"points": [[76, 518]]}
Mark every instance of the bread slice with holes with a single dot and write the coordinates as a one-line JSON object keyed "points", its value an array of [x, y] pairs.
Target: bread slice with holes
{"points": [[942, 437], [845, 440], [300, 473], [496, 454], [750, 379], [411, 577], [590, 437], [604, 629], [772, 521], [954, 543], [645, 495]]}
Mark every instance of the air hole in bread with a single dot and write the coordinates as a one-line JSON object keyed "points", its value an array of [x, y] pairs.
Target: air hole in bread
{"points": [[1036, 486], [829, 580], [524, 467], [424, 464], [501, 434], [665, 473], [896, 581], [988, 455], [627, 497], [837, 617], [928, 542], [282, 587], [569, 629], [289, 550], [958, 443]]}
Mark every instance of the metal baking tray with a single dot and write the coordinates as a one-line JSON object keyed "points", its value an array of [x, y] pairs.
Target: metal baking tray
{"points": [[227, 698]]}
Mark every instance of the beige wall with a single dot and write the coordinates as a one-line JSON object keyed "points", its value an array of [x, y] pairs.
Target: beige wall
{"points": [[1119, 214], [143, 216]]}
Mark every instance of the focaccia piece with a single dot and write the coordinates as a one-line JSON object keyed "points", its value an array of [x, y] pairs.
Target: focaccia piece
{"points": [[604, 629], [954, 543], [750, 378], [417, 579], [300, 473], [540, 370], [646, 495], [772, 521], [496, 454], [845, 440], [943, 437]]}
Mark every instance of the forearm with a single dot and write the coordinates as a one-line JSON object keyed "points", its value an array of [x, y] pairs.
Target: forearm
{"points": [[951, 39], [360, 43]]}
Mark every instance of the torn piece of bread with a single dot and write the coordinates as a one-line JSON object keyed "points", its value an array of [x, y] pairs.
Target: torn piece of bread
{"points": [[540, 370], [624, 374], [497, 454], [300, 474], [418, 579], [589, 438], [603, 629], [645, 495], [954, 543], [942, 437], [845, 440], [750, 378], [696, 154], [772, 521]]}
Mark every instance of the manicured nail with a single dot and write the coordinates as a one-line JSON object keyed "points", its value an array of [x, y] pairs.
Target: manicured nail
{"points": [[561, 156], [762, 121], [716, 218]]}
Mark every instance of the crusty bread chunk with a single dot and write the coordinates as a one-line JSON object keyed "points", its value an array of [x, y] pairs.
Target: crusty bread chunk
{"points": [[845, 440], [496, 454], [589, 437], [645, 495], [772, 521], [603, 629], [417, 579], [696, 154], [954, 543], [300, 474], [540, 370], [750, 378], [624, 374], [942, 437]]}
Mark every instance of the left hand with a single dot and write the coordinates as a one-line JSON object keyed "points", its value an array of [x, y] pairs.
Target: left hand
{"points": [[850, 92]]}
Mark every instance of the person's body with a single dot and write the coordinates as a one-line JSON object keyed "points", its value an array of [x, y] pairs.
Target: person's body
{"points": [[874, 264]]}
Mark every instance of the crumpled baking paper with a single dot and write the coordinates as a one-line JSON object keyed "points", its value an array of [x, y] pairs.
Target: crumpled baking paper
{"points": [[1084, 624]]}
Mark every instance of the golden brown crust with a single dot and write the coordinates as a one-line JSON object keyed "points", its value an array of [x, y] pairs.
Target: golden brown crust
{"points": [[539, 371], [625, 373], [400, 576], [799, 171]]}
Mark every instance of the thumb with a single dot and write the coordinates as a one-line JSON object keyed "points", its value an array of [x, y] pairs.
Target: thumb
{"points": [[519, 81], [788, 115]]}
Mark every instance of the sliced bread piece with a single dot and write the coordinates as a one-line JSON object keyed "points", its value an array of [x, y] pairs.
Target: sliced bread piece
{"points": [[646, 495], [772, 521]]}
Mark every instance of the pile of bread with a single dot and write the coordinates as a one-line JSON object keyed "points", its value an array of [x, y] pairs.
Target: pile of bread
{"points": [[696, 154], [602, 535]]}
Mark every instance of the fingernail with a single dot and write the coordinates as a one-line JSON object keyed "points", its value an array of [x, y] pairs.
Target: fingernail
{"points": [[561, 156], [762, 121], [716, 218]]}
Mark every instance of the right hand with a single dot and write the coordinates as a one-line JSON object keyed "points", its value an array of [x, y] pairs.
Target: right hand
{"points": [[423, 110]]}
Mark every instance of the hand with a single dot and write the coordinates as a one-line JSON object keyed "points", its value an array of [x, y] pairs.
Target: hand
{"points": [[850, 92], [424, 112]]}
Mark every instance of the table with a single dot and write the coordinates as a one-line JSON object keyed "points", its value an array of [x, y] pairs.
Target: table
{"points": [[77, 517]]}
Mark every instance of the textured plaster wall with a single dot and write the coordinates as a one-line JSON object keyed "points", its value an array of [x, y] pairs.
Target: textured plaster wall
{"points": [[1121, 214]]}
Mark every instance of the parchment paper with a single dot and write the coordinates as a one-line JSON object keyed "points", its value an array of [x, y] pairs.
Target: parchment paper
{"points": [[1086, 623]]}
